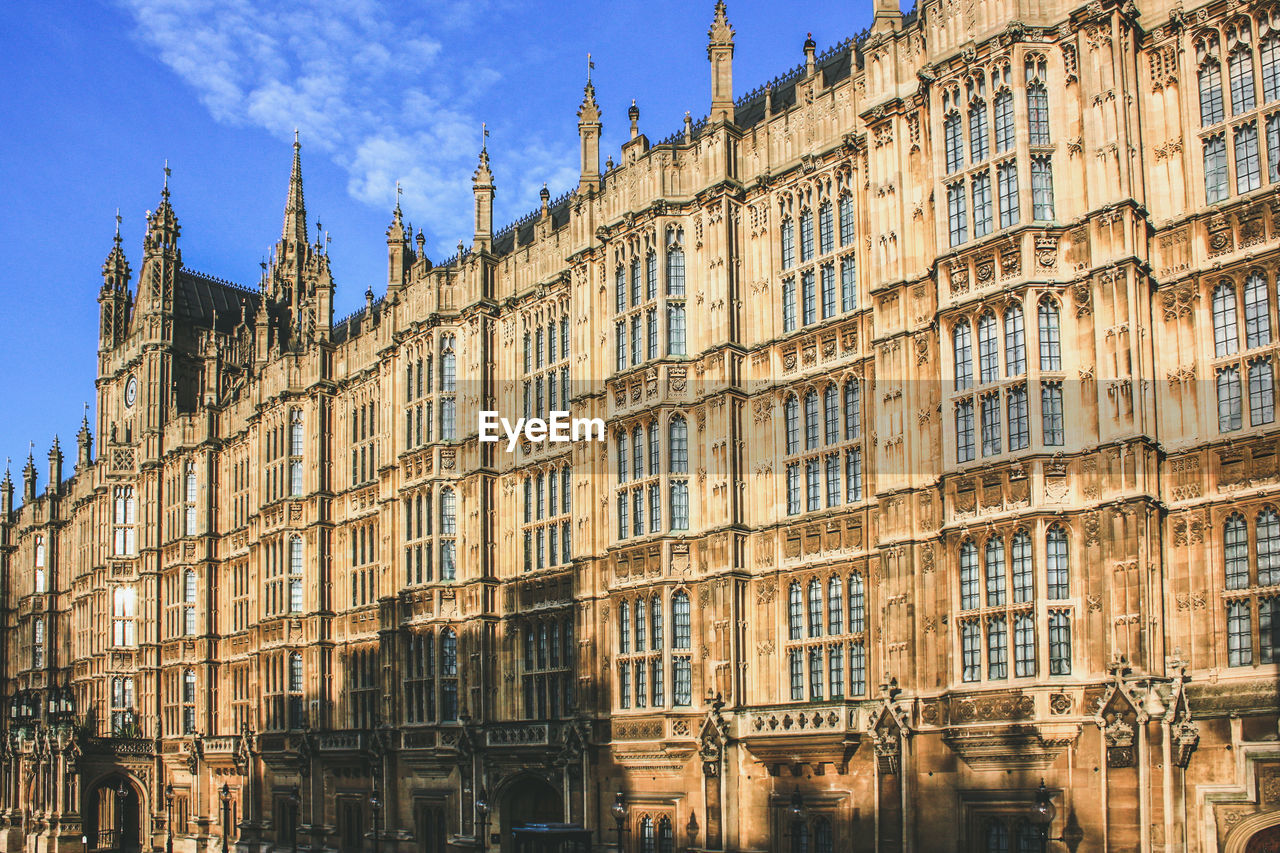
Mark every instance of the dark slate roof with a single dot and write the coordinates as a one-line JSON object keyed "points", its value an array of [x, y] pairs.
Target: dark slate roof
{"points": [[342, 330], [201, 298]]}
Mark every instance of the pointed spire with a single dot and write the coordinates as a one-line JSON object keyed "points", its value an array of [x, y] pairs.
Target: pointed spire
{"points": [[295, 210], [115, 269], [482, 187], [162, 226], [720, 53], [589, 135]]}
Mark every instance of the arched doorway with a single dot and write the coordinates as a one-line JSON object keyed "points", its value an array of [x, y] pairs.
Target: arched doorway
{"points": [[1265, 841], [113, 816], [527, 799]]}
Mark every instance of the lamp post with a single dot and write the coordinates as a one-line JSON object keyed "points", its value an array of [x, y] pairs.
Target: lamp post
{"points": [[1042, 814], [122, 793], [796, 812], [482, 814], [619, 811], [225, 796], [295, 797], [375, 802], [168, 806]]}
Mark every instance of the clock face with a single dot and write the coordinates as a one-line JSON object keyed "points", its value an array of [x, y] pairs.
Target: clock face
{"points": [[131, 391]]}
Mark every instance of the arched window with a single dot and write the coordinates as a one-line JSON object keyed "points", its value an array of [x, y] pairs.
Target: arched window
{"points": [[857, 604], [1004, 120], [620, 283], [1210, 77], [1015, 348], [1262, 396], [995, 571], [795, 612], [826, 229], [954, 142], [1269, 54], [791, 420], [822, 840], [988, 348], [996, 837], [846, 219], [978, 130], [806, 236], [1226, 332], [642, 624], [968, 576], [295, 574], [41, 582], [835, 605], [1235, 552], [682, 627], [1023, 577], [295, 463], [815, 608], [637, 451], [811, 420], [624, 628], [666, 836], [1050, 336], [678, 445], [852, 410], [831, 415], [37, 642], [655, 625], [1037, 109], [787, 237], [448, 366], [566, 502], [1229, 401], [1240, 68], [189, 500], [449, 675], [648, 838], [448, 512], [189, 602], [188, 702], [1057, 578], [1257, 311], [962, 344], [622, 456], [675, 263], [1268, 542]]}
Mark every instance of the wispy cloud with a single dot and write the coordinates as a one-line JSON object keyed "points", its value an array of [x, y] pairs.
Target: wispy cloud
{"points": [[380, 91]]}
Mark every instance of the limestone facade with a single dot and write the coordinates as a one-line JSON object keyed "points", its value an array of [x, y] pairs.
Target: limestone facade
{"points": [[941, 460]]}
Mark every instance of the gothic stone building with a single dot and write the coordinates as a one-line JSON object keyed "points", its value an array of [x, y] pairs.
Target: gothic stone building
{"points": [[941, 461]]}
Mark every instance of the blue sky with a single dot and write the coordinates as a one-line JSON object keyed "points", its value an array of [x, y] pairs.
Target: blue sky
{"points": [[98, 95]]}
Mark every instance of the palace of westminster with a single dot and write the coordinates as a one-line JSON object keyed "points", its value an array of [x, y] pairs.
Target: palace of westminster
{"points": [[938, 508]]}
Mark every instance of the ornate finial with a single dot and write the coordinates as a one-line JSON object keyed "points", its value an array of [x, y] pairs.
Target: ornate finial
{"points": [[295, 137], [484, 136], [399, 193], [590, 66], [118, 220], [721, 32]]}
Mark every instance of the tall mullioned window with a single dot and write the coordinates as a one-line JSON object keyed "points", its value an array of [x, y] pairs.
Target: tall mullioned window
{"points": [[1251, 572], [814, 293], [830, 455], [826, 640]]}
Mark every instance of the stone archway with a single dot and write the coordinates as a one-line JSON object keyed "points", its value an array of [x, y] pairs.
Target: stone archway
{"points": [[1265, 840], [524, 799], [112, 824]]}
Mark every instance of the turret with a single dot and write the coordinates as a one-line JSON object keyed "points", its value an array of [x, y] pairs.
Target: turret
{"points": [[55, 468], [482, 186], [161, 257], [589, 138], [113, 299], [84, 444], [29, 479], [398, 251], [720, 52], [810, 55], [6, 496]]}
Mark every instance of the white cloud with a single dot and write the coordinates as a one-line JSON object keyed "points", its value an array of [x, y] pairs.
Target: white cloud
{"points": [[368, 85]]}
